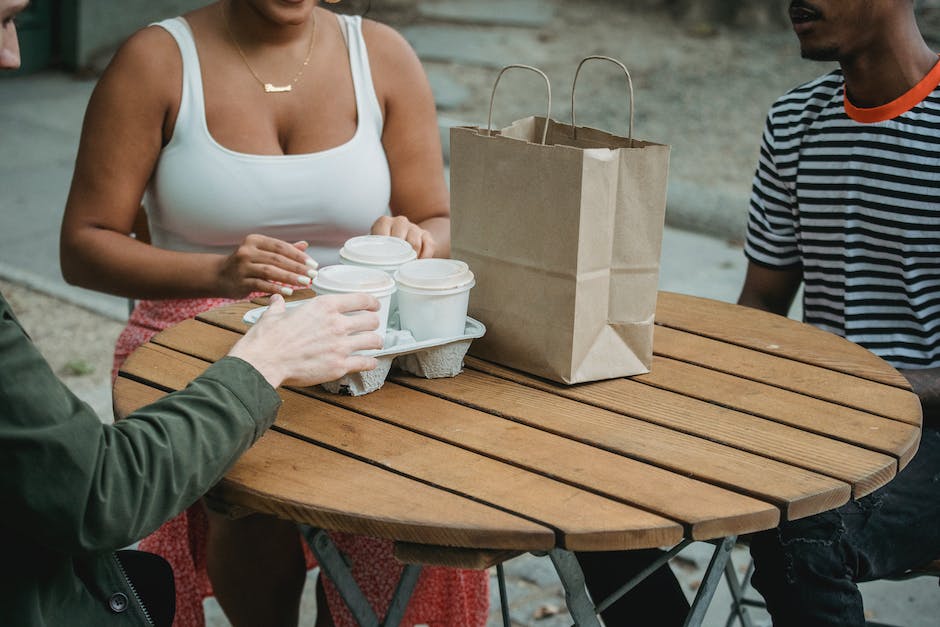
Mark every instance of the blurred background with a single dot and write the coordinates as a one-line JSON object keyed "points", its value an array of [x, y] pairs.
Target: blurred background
{"points": [[78, 35]]}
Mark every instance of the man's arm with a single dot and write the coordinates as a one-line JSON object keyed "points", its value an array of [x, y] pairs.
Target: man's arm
{"points": [[770, 290], [926, 384], [74, 485], [773, 291]]}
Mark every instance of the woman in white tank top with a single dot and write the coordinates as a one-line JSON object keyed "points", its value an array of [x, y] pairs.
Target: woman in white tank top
{"points": [[259, 135]]}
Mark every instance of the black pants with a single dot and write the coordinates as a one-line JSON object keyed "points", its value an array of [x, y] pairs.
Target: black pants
{"points": [[152, 578], [807, 569], [656, 601]]}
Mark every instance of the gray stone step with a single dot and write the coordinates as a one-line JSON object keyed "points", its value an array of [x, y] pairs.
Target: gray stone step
{"points": [[448, 92], [491, 48], [529, 13]]}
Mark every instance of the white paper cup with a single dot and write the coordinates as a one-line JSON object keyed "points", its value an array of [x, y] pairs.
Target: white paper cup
{"points": [[341, 279], [381, 252], [433, 295]]}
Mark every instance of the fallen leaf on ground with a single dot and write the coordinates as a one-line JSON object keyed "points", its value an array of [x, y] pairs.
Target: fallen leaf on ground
{"points": [[546, 611]]}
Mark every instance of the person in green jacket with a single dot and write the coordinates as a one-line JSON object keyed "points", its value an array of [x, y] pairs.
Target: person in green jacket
{"points": [[75, 490]]}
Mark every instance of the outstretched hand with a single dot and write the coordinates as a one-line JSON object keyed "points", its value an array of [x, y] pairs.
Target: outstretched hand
{"points": [[265, 264], [314, 342]]}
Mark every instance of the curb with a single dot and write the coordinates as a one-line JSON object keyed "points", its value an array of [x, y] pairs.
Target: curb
{"points": [[113, 307], [715, 211]]}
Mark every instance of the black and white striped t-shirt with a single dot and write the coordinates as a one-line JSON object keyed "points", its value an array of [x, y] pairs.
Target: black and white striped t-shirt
{"points": [[853, 195]]}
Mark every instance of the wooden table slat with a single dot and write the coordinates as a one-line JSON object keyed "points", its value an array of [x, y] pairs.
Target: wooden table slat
{"points": [[709, 511], [427, 555], [797, 491], [773, 334], [705, 508], [877, 433], [649, 443], [864, 470], [313, 480], [588, 522], [229, 317], [829, 385]]}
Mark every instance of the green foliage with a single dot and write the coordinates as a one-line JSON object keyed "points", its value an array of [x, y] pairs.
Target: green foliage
{"points": [[78, 368]]}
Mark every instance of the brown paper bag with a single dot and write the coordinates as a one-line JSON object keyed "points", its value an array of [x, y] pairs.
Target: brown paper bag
{"points": [[562, 227]]}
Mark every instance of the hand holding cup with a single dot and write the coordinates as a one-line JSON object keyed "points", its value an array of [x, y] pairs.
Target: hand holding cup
{"points": [[314, 342]]}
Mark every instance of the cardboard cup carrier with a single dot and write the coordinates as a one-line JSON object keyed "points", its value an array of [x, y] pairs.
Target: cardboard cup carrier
{"points": [[431, 335]]}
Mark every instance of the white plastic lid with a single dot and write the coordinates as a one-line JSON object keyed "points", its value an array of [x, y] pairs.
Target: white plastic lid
{"points": [[353, 279], [377, 250], [434, 274]]}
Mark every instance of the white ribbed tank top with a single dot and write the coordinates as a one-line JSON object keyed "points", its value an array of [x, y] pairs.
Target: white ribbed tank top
{"points": [[204, 197]]}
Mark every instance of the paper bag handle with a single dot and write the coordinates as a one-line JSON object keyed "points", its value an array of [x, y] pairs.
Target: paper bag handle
{"points": [[548, 114], [574, 124]]}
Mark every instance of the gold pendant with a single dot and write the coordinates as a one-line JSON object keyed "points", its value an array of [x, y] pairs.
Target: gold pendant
{"points": [[274, 89]]}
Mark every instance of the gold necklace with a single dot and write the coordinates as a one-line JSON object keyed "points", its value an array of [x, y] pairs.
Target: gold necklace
{"points": [[269, 87]]}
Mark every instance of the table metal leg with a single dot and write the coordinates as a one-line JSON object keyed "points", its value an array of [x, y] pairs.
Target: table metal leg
{"points": [[503, 595], [335, 567], [577, 597], [713, 574], [738, 590], [585, 613], [406, 585], [579, 601]]}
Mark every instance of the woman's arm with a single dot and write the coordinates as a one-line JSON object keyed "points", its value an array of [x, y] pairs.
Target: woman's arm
{"points": [[129, 119], [122, 136], [420, 201]]}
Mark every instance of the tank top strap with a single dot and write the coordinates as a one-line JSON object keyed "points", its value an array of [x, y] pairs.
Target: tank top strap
{"points": [[367, 103], [192, 106]]}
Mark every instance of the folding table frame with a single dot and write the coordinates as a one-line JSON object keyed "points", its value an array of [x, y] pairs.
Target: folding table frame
{"points": [[582, 609]]}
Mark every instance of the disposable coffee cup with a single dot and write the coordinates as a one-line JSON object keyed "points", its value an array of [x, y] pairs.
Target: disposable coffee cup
{"points": [[381, 252], [341, 279], [433, 295]]}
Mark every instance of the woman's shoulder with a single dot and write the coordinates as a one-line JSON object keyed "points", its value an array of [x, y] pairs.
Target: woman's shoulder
{"points": [[384, 41], [397, 73], [151, 55], [393, 61], [144, 75]]}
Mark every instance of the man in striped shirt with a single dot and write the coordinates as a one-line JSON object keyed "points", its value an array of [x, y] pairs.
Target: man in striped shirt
{"points": [[846, 202]]}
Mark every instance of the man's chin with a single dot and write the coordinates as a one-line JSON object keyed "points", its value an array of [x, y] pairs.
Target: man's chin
{"points": [[830, 53]]}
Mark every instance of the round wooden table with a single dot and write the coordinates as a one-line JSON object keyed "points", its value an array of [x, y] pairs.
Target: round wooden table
{"points": [[746, 418]]}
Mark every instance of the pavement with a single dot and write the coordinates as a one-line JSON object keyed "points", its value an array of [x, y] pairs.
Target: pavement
{"points": [[40, 119]]}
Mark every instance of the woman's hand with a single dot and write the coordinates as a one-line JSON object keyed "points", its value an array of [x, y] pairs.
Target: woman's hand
{"points": [[400, 226], [265, 264]]}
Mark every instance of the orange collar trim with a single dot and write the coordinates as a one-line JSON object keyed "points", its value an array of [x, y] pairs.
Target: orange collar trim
{"points": [[898, 106]]}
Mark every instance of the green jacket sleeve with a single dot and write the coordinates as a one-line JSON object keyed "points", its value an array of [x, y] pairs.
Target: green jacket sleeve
{"points": [[75, 485]]}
